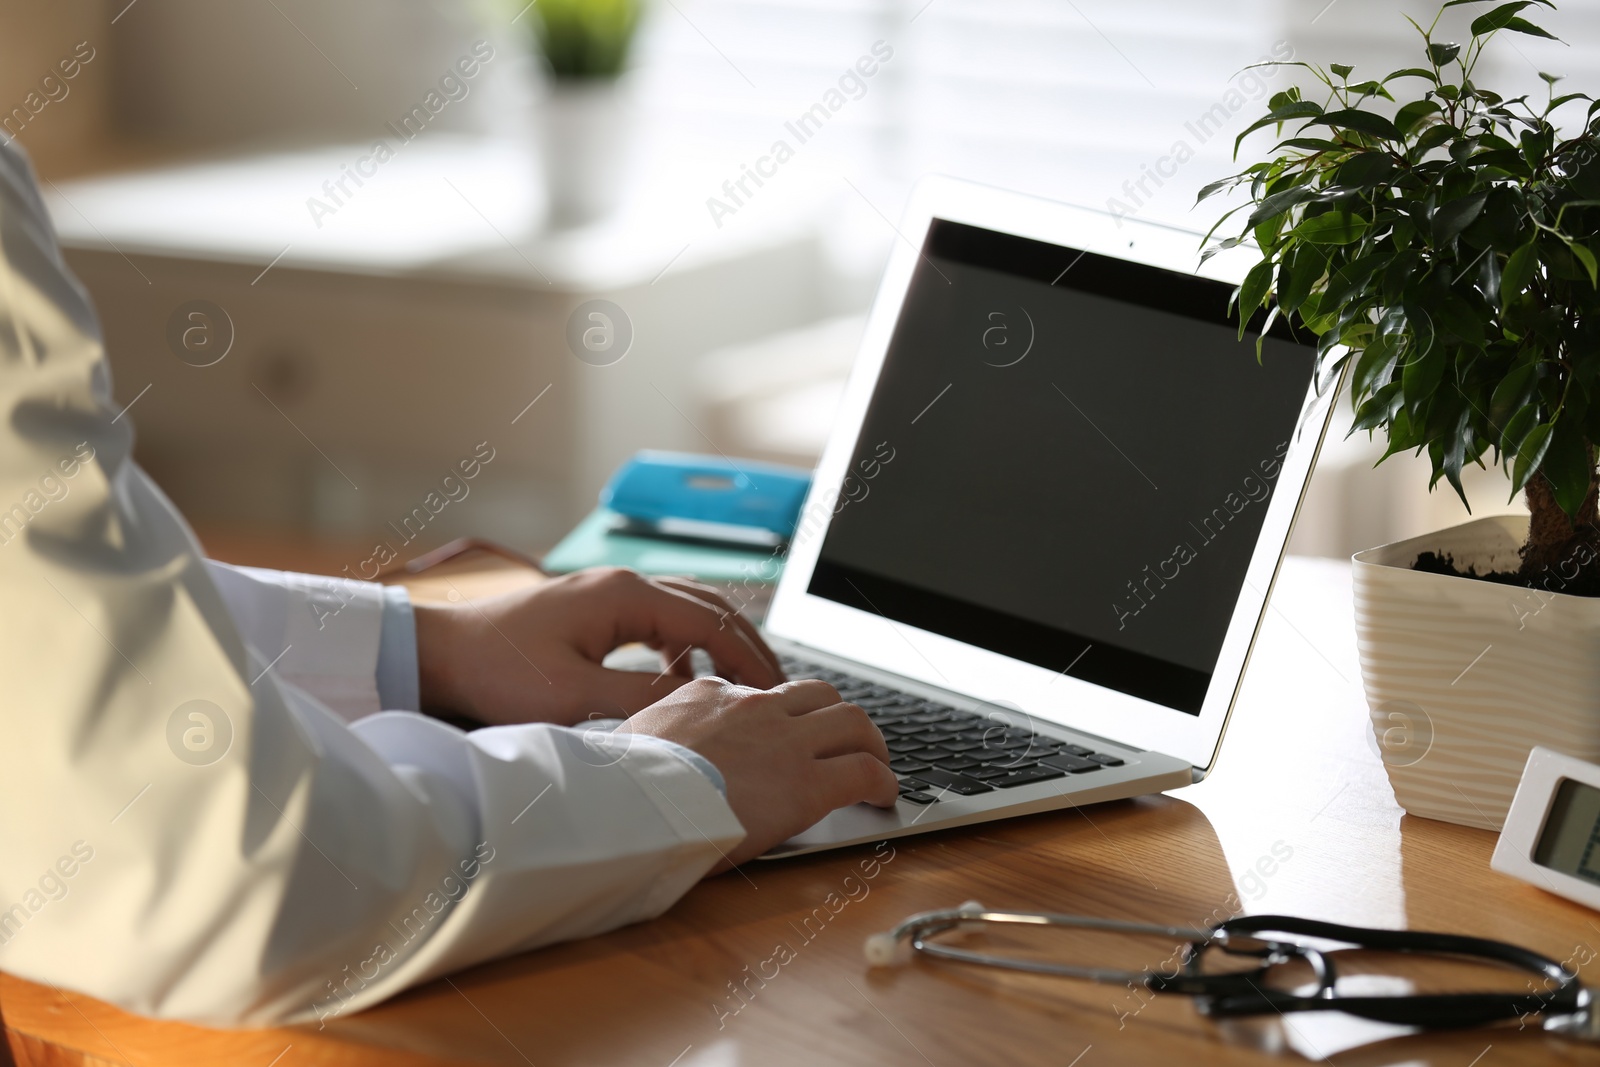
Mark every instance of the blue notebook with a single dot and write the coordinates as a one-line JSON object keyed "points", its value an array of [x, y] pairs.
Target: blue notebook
{"points": [[593, 543]]}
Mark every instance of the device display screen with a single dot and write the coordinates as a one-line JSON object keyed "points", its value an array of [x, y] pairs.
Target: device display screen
{"points": [[1080, 454], [1570, 840]]}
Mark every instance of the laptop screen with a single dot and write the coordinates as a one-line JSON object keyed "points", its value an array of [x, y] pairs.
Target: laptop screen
{"points": [[1067, 460]]}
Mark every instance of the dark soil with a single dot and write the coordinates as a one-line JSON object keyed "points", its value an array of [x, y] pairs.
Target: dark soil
{"points": [[1570, 579]]}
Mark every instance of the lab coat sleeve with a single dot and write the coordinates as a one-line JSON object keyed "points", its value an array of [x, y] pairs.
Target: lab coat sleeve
{"points": [[320, 633], [187, 834]]}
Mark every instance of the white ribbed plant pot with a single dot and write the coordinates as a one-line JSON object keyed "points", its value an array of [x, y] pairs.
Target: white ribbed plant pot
{"points": [[1463, 677]]}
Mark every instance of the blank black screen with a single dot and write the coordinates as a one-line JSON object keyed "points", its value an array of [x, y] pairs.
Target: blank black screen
{"points": [[1081, 457]]}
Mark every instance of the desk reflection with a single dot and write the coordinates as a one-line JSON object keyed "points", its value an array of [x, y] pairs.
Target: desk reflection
{"points": [[766, 968]]}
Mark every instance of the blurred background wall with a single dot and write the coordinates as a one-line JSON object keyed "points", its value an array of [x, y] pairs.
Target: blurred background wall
{"points": [[374, 332]]}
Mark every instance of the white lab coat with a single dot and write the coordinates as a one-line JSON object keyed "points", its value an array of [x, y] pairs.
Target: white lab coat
{"points": [[322, 857]]}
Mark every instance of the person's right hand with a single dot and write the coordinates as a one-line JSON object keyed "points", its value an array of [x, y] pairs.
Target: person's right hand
{"points": [[789, 755]]}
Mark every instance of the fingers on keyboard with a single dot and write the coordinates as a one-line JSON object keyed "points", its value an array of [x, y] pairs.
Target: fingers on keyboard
{"points": [[936, 750]]}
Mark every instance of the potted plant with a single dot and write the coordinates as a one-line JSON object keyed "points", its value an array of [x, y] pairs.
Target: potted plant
{"points": [[586, 118], [1441, 242]]}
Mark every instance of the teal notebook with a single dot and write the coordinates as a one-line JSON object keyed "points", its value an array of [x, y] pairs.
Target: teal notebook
{"points": [[592, 544]]}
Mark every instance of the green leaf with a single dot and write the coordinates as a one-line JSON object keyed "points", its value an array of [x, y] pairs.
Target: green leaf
{"points": [[1524, 26], [1421, 375], [1330, 374], [1461, 319], [1266, 233], [1561, 265], [1299, 109], [1413, 72], [1368, 88], [1505, 213], [1367, 122], [1396, 274], [1354, 330], [1312, 316], [1508, 160], [1410, 114], [1350, 279], [1530, 453], [1489, 278], [1341, 69], [1379, 409], [1440, 54], [1266, 325], [1585, 257], [1567, 466], [1253, 291], [1311, 144], [1403, 437], [1517, 428], [1498, 18], [1278, 203], [1452, 217], [1455, 446], [1418, 325], [1512, 395], [1373, 368], [1333, 228], [1296, 275], [1433, 137], [1591, 422], [1535, 143], [1462, 3], [1215, 187], [1365, 168]]}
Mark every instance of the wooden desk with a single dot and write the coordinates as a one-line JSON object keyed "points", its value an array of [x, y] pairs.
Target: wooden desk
{"points": [[1297, 774]]}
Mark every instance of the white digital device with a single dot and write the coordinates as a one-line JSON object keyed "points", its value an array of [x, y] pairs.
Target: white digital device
{"points": [[1552, 833]]}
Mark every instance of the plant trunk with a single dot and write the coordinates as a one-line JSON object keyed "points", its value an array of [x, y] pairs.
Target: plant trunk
{"points": [[1557, 543]]}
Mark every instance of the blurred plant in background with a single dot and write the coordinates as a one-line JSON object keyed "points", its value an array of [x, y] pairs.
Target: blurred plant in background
{"points": [[583, 39], [586, 123]]}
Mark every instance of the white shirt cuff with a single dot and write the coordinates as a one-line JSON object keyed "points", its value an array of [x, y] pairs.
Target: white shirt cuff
{"points": [[399, 688]]}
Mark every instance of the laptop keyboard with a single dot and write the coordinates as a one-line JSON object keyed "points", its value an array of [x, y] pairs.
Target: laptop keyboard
{"points": [[936, 750]]}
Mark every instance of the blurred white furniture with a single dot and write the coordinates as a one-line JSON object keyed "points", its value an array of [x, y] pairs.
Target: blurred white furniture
{"points": [[775, 398], [423, 316]]}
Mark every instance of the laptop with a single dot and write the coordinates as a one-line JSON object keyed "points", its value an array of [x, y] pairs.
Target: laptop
{"points": [[1042, 535]]}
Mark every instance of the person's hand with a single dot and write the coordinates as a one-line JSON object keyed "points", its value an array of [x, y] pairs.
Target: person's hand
{"points": [[534, 655], [789, 756]]}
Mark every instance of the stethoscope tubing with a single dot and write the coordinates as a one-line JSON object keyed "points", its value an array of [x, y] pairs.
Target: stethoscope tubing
{"points": [[1430, 1010], [919, 928], [1245, 992]]}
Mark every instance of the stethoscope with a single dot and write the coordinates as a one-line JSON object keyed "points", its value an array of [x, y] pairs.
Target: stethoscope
{"points": [[1564, 1003]]}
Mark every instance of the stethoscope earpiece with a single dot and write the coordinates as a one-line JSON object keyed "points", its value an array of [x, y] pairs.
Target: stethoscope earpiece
{"points": [[883, 950]]}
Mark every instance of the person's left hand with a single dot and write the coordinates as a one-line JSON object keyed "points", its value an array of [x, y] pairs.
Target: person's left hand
{"points": [[534, 655]]}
